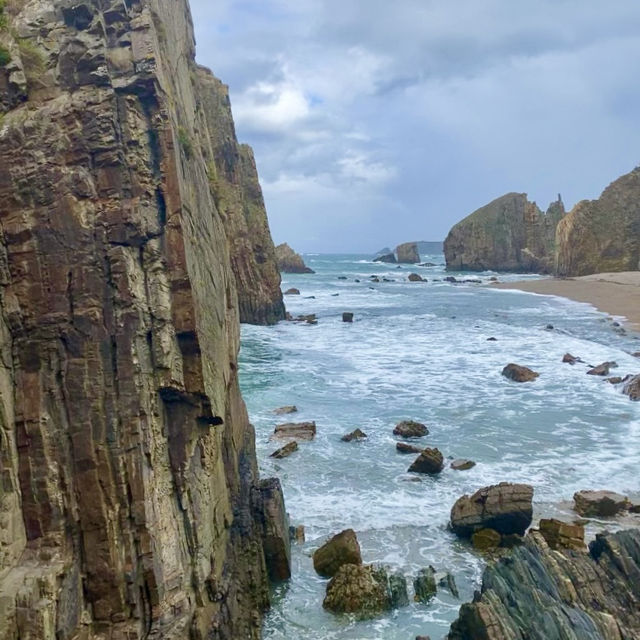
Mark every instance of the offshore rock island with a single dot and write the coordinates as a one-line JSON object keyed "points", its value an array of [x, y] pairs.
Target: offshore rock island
{"points": [[133, 238]]}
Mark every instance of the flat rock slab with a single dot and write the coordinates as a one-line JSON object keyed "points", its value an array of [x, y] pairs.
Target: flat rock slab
{"points": [[295, 430], [286, 451], [599, 503]]}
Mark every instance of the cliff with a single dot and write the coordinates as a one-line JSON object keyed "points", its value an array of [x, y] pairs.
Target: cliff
{"points": [[130, 504], [545, 594], [508, 234], [602, 235]]}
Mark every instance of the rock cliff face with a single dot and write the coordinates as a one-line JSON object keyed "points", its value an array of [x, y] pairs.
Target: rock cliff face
{"points": [[543, 594], [508, 234], [130, 505], [602, 235]]}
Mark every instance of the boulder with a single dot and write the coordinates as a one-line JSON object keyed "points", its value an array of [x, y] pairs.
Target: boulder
{"points": [[615, 380], [462, 465], [285, 451], [602, 369], [290, 408], [347, 316], [569, 359], [632, 388], [387, 257], [343, 548], [424, 585], [486, 539], [408, 253], [357, 434], [273, 521], [289, 261], [505, 507], [365, 590], [292, 292], [560, 534], [403, 447], [415, 277], [599, 503], [429, 461], [410, 429], [295, 430], [518, 373]]}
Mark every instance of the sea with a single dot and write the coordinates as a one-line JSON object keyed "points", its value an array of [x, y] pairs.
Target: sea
{"points": [[420, 351]]}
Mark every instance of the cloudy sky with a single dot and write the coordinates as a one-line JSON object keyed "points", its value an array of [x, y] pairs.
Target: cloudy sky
{"points": [[376, 122]]}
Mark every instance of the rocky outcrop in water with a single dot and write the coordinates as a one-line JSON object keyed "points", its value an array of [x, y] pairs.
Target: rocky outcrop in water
{"points": [[408, 253], [508, 234], [602, 235], [289, 261], [130, 504], [542, 594]]}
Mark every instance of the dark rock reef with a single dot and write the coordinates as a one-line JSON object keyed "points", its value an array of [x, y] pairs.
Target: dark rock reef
{"points": [[289, 261], [508, 234], [132, 239], [543, 594]]}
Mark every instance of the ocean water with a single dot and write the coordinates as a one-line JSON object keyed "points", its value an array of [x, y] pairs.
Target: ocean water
{"points": [[420, 351]]}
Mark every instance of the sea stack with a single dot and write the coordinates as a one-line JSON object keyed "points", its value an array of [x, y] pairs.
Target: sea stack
{"points": [[602, 235], [131, 503], [508, 234], [289, 261], [407, 253]]}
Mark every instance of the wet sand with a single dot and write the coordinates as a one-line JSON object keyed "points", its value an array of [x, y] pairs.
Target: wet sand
{"points": [[617, 294]]}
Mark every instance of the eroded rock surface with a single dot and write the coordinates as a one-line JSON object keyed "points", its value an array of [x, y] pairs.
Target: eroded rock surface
{"points": [[602, 235], [542, 594], [131, 505], [289, 261], [508, 234]]}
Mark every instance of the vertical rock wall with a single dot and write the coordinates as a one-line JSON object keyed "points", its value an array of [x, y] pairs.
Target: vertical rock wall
{"points": [[128, 481], [602, 235]]}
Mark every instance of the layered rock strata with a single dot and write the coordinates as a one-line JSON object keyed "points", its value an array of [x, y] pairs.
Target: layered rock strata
{"points": [[563, 594], [130, 503], [508, 234], [602, 235]]}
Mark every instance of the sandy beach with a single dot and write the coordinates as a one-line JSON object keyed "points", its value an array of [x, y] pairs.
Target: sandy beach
{"points": [[614, 293]]}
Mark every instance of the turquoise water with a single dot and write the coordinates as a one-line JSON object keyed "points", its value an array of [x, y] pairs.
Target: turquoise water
{"points": [[420, 351]]}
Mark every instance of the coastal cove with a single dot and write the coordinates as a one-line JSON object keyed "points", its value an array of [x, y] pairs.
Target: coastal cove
{"points": [[421, 351]]}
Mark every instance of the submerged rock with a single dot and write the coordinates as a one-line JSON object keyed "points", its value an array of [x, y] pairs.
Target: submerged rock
{"points": [[429, 461], [486, 539], [386, 257], [290, 408], [569, 359], [343, 548], [518, 373], [541, 594], [286, 451], [347, 316], [410, 429], [462, 465], [602, 369], [365, 590], [415, 277], [403, 447], [447, 581], [292, 292], [296, 430], [599, 503], [289, 261], [505, 507], [357, 434], [424, 585]]}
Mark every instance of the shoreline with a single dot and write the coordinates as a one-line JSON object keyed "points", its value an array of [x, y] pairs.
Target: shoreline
{"points": [[616, 294]]}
